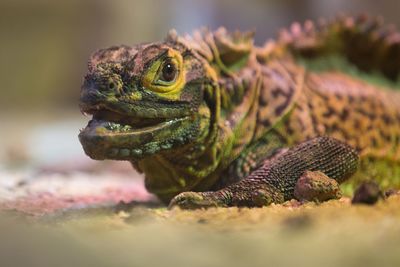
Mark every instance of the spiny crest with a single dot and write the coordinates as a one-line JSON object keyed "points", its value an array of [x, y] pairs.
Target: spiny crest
{"points": [[364, 41], [228, 50], [312, 35]]}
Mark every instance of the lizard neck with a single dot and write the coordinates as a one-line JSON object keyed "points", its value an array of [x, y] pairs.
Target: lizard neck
{"points": [[191, 168], [237, 124], [198, 166]]}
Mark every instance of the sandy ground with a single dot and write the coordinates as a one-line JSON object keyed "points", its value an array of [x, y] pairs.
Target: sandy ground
{"points": [[108, 219]]}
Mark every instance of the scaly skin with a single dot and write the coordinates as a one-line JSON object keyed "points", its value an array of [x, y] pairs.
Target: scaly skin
{"points": [[215, 115]]}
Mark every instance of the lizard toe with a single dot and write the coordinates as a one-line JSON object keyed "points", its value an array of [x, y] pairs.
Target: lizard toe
{"points": [[192, 200]]}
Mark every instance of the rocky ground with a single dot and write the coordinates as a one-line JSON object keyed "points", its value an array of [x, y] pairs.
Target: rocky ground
{"points": [[106, 218]]}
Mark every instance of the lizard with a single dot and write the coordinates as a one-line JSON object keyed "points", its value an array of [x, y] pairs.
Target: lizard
{"points": [[212, 120]]}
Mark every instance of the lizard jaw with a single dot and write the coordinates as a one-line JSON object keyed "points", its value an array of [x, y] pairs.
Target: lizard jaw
{"points": [[110, 135]]}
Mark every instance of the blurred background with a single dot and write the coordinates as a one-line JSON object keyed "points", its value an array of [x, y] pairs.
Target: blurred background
{"points": [[45, 45]]}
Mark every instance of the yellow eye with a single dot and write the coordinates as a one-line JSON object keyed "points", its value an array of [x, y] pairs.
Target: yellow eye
{"points": [[166, 75], [169, 71]]}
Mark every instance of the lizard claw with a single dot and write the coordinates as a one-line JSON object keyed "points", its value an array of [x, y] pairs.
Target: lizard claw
{"points": [[192, 200]]}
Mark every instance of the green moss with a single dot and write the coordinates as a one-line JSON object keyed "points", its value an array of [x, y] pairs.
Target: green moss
{"points": [[385, 173], [339, 63]]}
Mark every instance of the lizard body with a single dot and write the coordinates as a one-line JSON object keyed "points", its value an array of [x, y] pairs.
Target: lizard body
{"points": [[212, 113]]}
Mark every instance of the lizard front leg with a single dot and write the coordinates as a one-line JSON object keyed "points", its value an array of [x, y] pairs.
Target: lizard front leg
{"points": [[275, 181]]}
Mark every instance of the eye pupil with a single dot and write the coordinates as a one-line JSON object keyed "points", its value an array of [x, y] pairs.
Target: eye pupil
{"points": [[111, 85], [168, 72]]}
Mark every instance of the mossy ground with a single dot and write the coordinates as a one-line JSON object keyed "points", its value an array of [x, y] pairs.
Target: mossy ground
{"points": [[385, 173]]}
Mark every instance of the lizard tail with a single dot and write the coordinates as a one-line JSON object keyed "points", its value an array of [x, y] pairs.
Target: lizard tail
{"points": [[365, 42]]}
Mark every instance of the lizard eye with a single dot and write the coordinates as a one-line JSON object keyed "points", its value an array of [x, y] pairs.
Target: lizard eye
{"points": [[169, 71], [166, 75]]}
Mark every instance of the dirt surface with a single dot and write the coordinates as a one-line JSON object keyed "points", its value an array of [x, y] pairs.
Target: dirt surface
{"points": [[108, 219]]}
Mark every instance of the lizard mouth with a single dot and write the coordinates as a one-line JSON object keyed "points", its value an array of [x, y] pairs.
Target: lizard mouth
{"points": [[110, 122], [113, 135]]}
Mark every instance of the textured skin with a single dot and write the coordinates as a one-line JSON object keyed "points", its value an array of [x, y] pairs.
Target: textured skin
{"points": [[232, 109]]}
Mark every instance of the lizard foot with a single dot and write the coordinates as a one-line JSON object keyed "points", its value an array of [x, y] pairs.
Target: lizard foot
{"points": [[316, 186], [195, 200]]}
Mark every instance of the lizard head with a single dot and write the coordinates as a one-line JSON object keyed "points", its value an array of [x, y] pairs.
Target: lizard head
{"points": [[144, 100]]}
